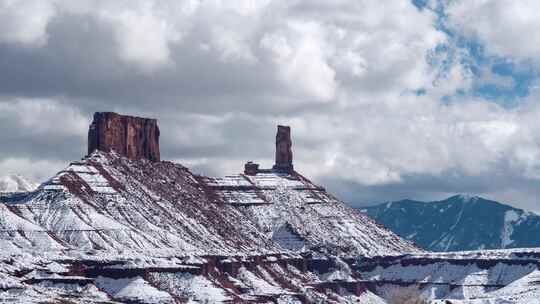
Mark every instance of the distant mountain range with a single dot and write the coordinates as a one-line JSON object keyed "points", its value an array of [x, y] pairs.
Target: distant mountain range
{"points": [[16, 183], [460, 222]]}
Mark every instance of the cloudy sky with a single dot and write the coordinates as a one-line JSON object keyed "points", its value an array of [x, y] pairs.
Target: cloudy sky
{"points": [[386, 99]]}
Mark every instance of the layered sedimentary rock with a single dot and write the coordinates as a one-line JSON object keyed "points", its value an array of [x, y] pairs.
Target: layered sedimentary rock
{"points": [[284, 154], [133, 137], [109, 229]]}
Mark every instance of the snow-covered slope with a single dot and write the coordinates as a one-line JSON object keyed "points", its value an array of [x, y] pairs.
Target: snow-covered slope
{"points": [[459, 223], [289, 206], [112, 230], [107, 202], [16, 183], [525, 290], [150, 279], [153, 232], [487, 277]]}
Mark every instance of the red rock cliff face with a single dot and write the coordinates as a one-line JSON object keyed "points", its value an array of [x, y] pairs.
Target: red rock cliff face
{"points": [[133, 137]]}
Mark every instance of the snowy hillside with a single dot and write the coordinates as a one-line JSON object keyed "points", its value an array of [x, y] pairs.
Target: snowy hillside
{"points": [[459, 223], [153, 232], [16, 183], [125, 227], [108, 202], [108, 229], [474, 277]]}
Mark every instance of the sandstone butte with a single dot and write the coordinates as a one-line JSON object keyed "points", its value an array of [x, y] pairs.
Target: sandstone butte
{"points": [[132, 137]]}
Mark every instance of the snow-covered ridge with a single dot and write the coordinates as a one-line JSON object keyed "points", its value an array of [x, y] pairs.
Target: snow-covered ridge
{"points": [[16, 183], [153, 232], [468, 198], [460, 277], [106, 202], [459, 223], [150, 279], [108, 228]]}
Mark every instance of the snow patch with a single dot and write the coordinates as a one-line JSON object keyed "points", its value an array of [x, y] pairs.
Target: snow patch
{"points": [[258, 285], [467, 198], [133, 289], [286, 238], [16, 183], [193, 287], [510, 217]]}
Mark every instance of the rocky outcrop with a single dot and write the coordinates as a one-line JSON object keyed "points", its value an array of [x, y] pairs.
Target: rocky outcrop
{"points": [[132, 137], [284, 154], [251, 168]]}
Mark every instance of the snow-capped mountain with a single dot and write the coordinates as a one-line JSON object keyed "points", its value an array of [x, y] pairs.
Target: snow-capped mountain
{"points": [[16, 183], [460, 222], [122, 226]]}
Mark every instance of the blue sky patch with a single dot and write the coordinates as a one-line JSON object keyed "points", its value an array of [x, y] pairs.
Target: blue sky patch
{"points": [[496, 79]]}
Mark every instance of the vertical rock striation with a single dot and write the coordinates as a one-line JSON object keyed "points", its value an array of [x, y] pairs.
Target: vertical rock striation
{"points": [[132, 137], [284, 154]]}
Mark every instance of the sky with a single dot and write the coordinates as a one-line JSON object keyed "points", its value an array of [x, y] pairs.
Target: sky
{"points": [[387, 100]]}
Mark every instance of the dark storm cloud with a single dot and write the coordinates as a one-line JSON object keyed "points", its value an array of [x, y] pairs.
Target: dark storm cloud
{"points": [[40, 129], [80, 63], [430, 188]]}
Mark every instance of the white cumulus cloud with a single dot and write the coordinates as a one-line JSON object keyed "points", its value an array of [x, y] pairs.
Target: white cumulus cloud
{"points": [[25, 21], [507, 28]]}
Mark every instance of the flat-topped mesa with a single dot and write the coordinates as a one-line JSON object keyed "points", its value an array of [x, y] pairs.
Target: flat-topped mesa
{"points": [[284, 156], [132, 137]]}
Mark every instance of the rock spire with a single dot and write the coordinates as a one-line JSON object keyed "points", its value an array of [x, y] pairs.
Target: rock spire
{"points": [[284, 155]]}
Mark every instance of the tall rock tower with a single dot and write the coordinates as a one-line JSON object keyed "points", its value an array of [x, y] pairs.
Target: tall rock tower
{"points": [[132, 137], [284, 156]]}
